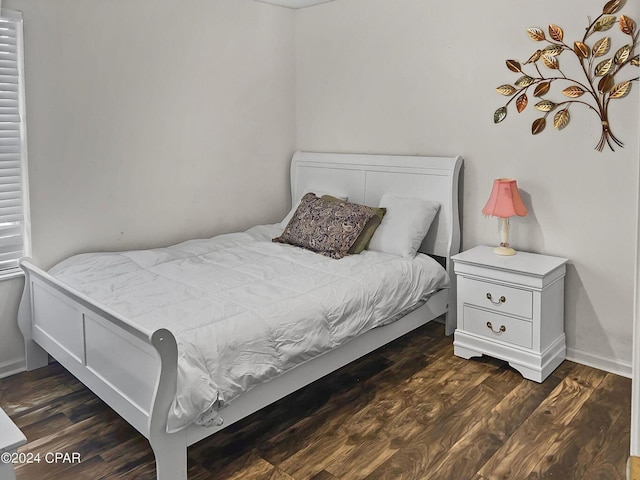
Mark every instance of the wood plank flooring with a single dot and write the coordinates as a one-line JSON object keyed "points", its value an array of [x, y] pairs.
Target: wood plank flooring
{"points": [[411, 410]]}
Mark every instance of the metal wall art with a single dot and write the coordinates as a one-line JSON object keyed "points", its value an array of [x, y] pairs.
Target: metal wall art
{"points": [[601, 82]]}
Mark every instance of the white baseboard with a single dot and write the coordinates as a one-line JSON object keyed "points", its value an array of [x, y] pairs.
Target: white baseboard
{"points": [[12, 367], [618, 367]]}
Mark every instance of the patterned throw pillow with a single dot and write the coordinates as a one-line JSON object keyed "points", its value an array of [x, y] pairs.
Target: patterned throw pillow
{"points": [[362, 242], [325, 227]]}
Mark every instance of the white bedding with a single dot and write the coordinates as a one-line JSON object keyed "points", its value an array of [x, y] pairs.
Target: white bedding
{"points": [[244, 309]]}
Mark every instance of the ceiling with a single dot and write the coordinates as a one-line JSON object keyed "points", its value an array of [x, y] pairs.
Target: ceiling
{"points": [[295, 3]]}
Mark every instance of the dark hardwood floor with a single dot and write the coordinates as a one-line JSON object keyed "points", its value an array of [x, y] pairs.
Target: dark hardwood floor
{"points": [[411, 410]]}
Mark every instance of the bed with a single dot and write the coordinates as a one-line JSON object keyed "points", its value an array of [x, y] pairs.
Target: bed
{"points": [[81, 330]]}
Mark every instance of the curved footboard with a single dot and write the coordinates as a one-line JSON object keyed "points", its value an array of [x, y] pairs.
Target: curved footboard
{"points": [[170, 449], [132, 370], [35, 355]]}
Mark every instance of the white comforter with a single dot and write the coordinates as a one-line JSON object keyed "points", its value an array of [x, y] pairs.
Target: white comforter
{"points": [[244, 309]]}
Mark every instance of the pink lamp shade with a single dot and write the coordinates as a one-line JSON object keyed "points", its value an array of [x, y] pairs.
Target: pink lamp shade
{"points": [[505, 200]]}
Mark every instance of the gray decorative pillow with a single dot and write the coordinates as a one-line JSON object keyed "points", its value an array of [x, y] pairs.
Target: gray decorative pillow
{"points": [[325, 227]]}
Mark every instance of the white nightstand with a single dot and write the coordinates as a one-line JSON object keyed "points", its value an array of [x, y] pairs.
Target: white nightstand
{"points": [[511, 308]]}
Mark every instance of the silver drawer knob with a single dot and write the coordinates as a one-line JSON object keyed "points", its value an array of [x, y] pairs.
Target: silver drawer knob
{"points": [[497, 332], [502, 299]]}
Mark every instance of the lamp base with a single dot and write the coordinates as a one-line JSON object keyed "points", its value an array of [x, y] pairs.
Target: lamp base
{"points": [[505, 251]]}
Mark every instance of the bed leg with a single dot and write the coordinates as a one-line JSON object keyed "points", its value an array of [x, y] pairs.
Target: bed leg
{"points": [[449, 325], [451, 317], [36, 356], [170, 449], [171, 456]]}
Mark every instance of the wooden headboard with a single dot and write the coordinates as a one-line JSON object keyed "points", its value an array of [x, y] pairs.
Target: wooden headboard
{"points": [[365, 178]]}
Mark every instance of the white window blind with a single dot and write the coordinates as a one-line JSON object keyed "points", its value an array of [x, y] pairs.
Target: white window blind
{"points": [[14, 207]]}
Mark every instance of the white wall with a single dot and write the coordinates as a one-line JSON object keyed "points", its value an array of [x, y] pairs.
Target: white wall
{"points": [[419, 76], [150, 122], [11, 345]]}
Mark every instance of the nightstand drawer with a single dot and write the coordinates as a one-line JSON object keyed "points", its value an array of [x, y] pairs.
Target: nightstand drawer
{"points": [[498, 327], [496, 297]]}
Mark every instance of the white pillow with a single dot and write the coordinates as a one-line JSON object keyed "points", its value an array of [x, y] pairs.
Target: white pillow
{"points": [[319, 192], [404, 226]]}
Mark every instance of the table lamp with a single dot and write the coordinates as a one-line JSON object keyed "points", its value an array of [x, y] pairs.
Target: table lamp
{"points": [[504, 202]]}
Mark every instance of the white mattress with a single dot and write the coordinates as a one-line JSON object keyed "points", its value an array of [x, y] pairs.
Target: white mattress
{"points": [[244, 309]]}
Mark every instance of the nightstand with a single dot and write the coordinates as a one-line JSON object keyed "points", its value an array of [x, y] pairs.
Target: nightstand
{"points": [[511, 308]]}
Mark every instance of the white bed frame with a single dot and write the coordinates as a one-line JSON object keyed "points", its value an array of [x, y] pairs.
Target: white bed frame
{"points": [[134, 370]]}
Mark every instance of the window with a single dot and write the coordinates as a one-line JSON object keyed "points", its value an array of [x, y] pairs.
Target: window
{"points": [[14, 203]]}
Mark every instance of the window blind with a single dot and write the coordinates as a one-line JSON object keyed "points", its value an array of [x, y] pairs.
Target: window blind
{"points": [[13, 199]]}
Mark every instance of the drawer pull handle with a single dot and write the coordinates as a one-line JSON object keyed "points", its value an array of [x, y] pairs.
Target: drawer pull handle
{"points": [[497, 332], [502, 299]]}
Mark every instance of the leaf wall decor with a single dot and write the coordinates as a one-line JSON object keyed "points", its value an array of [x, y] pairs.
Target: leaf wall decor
{"points": [[550, 62], [513, 65], [506, 90], [627, 25], [620, 90], [581, 50], [601, 47], [561, 119], [622, 55], [524, 81], [605, 83], [538, 125], [594, 55], [521, 102], [500, 114], [553, 50], [541, 89], [573, 91], [545, 106], [611, 7], [605, 23], [556, 33], [536, 34], [535, 57], [603, 67]]}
